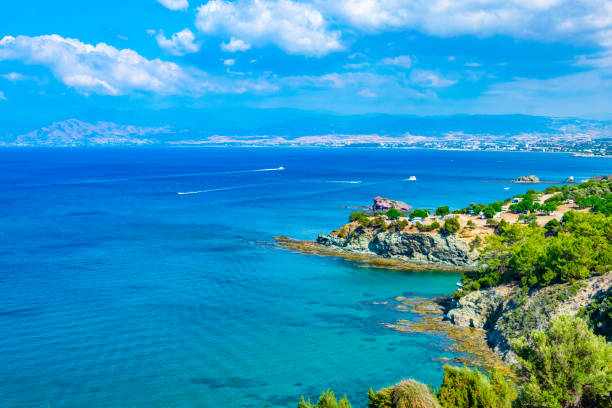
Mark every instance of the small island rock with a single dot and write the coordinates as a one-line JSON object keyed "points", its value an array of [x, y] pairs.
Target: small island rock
{"points": [[527, 179], [384, 204]]}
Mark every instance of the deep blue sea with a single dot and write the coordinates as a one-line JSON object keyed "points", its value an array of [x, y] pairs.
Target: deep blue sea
{"points": [[116, 291]]}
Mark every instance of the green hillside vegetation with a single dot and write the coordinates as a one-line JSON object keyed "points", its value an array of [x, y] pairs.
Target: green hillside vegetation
{"points": [[565, 366], [578, 247]]}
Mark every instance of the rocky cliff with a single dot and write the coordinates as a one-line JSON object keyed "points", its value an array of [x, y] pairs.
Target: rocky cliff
{"points": [[506, 312], [415, 247]]}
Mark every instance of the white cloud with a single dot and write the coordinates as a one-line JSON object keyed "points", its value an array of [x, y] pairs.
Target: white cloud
{"points": [[107, 70], [229, 62], [598, 60], [15, 77], [2, 97], [575, 20], [403, 61], [357, 65], [426, 78], [367, 93], [472, 64], [180, 43], [174, 4], [234, 45], [297, 28]]}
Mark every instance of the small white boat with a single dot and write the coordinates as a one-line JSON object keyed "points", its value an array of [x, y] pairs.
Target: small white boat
{"points": [[506, 188], [411, 178], [460, 284]]}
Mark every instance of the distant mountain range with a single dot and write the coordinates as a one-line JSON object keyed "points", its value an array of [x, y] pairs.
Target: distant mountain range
{"points": [[293, 127]]}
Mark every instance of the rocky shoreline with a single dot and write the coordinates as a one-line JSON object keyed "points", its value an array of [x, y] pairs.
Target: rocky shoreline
{"points": [[506, 312], [434, 250]]}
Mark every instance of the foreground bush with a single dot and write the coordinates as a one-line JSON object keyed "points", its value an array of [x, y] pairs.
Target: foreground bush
{"points": [[565, 366], [326, 400], [405, 394], [469, 388]]}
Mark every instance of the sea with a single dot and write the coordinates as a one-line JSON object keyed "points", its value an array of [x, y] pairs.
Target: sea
{"points": [[149, 277]]}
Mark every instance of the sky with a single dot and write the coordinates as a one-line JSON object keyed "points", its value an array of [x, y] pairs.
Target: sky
{"points": [[424, 57]]}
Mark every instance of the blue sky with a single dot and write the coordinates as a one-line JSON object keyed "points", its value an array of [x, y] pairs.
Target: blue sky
{"points": [[436, 57]]}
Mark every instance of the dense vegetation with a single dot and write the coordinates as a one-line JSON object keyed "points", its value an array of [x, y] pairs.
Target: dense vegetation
{"points": [[565, 366], [419, 213], [576, 248], [451, 226], [464, 387]]}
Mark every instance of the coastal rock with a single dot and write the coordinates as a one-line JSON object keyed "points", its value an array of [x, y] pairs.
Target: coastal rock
{"points": [[569, 180], [527, 179], [507, 313], [384, 204], [419, 248]]}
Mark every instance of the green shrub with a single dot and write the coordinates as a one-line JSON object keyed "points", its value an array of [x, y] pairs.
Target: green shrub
{"points": [[451, 226], [427, 228], [405, 394], [565, 366], [552, 227], [360, 217], [489, 211], [393, 214], [401, 224], [412, 394], [492, 222], [326, 400], [476, 243], [442, 211], [418, 213], [469, 388], [380, 399]]}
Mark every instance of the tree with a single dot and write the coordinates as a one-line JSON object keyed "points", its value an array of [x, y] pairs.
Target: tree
{"points": [[489, 211], [442, 211], [418, 213], [565, 366], [469, 388], [451, 226], [393, 214], [359, 217], [552, 227]]}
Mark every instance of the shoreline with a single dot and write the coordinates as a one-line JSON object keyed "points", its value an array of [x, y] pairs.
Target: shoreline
{"points": [[375, 261], [219, 146]]}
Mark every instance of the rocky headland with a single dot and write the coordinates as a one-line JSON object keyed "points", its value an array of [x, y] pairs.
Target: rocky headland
{"points": [[431, 249], [506, 312]]}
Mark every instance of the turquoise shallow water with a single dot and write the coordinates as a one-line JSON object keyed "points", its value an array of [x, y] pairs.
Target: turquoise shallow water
{"points": [[115, 291]]}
